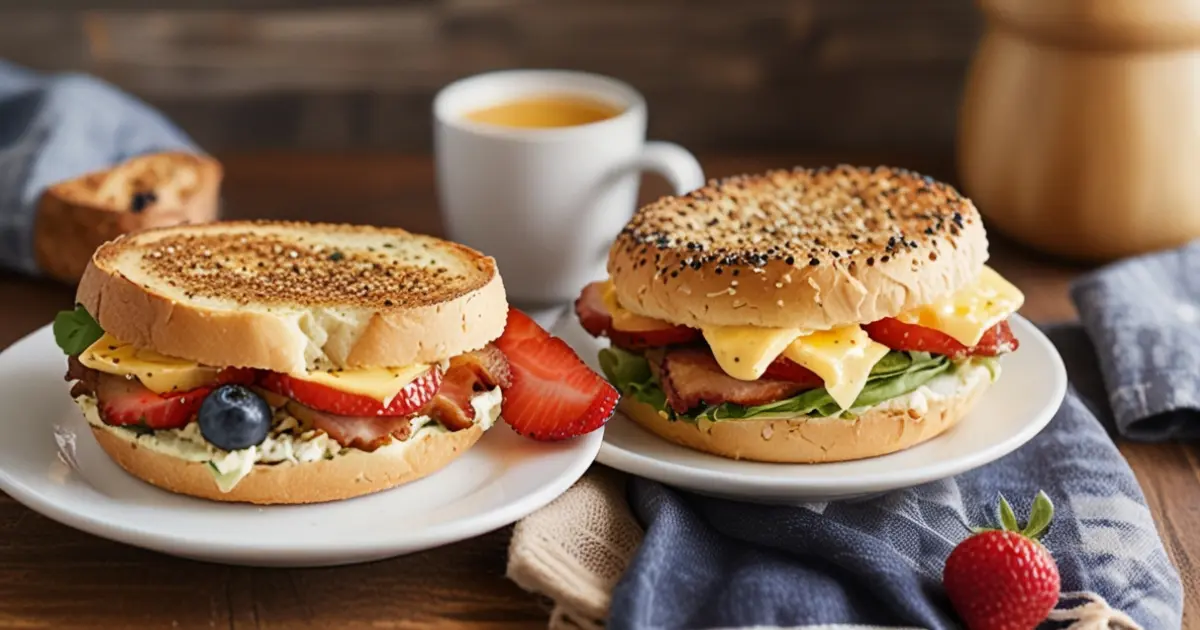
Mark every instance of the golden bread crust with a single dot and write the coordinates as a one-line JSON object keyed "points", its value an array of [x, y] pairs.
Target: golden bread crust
{"points": [[77, 216], [809, 249], [355, 474], [812, 440], [293, 296]]}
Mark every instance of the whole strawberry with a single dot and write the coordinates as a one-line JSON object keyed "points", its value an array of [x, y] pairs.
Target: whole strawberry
{"points": [[1004, 579]]}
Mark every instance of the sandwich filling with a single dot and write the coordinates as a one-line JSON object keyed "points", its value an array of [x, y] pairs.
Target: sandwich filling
{"points": [[234, 418], [747, 372]]}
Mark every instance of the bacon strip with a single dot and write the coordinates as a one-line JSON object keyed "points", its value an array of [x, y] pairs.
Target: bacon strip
{"points": [[86, 379], [365, 433], [469, 374], [691, 377]]}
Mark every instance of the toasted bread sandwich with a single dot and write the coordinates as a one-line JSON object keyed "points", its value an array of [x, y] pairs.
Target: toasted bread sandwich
{"points": [[293, 363], [803, 316]]}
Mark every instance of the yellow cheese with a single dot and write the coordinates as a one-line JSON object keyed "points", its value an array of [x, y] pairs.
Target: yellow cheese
{"points": [[380, 384], [842, 357], [624, 319], [159, 373], [967, 314], [163, 374], [744, 352]]}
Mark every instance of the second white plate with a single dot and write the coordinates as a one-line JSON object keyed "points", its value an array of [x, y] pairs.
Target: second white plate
{"points": [[1012, 411]]}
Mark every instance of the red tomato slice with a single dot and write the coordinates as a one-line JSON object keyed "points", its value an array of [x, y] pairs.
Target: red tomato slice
{"points": [[642, 339], [784, 369], [125, 401], [898, 335], [591, 312], [595, 319], [330, 400]]}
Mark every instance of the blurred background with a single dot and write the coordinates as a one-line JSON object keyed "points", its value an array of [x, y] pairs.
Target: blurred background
{"points": [[720, 75]]}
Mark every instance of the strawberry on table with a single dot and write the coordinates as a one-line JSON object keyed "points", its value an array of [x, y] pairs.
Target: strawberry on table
{"points": [[553, 395], [1004, 579]]}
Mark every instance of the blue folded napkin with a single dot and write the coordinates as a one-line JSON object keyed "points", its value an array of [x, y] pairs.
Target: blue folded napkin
{"points": [[54, 128], [1134, 363], [1145, 313]]}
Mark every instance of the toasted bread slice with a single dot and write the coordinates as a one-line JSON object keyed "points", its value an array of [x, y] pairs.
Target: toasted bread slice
{"points": [[290, 297], [75, 217]]}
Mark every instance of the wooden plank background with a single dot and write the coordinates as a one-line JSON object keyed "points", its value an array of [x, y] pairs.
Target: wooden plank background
{"points": [[322, 74]]}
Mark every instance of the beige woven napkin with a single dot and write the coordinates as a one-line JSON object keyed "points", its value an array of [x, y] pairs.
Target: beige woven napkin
{"points": [[575, 549]]}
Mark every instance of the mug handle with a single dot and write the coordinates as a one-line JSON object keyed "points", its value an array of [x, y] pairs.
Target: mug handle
{"points": [[675, 163]]}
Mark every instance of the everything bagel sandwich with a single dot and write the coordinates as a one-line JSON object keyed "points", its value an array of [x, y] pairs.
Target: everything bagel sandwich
{"points": [[271, 362], [803, 316]]}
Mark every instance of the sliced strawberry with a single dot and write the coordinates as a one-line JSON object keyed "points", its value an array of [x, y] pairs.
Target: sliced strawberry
{"points": [[330, 400], [125, 401], [240, 376], [553, 395], [898, 335], [595, 318], [787, 370]]}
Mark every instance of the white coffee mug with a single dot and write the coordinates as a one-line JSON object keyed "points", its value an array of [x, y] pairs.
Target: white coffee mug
{"points": [[546, 202]]}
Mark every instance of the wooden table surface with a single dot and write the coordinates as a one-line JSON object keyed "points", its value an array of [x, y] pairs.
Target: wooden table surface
{"points": [[52, 576]]}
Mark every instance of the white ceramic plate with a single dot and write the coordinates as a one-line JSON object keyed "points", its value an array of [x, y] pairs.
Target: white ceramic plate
{"points": [[1012, 411], [50, 462]]}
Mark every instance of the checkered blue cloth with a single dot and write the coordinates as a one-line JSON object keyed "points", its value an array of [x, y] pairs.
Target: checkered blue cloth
{"points": [[54, 128], [1134, 365]]}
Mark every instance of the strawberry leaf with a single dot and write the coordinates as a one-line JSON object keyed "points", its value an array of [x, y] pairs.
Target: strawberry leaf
{"points": [[1008, 519], [1039, 516]]}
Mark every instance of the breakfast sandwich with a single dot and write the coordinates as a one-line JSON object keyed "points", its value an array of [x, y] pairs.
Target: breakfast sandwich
{"points": [[272, 362], [803, 316]]}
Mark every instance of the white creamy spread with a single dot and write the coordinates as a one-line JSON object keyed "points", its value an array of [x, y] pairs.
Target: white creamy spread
{"points": [[963, 377], [284, 444]]}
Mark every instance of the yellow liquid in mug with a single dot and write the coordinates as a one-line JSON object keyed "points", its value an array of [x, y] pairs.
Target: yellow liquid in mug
{"points": [[545, 111]]}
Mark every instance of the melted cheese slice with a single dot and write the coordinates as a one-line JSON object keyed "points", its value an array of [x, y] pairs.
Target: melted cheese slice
{"points": [[163, 374], [624, 319], [967, 314], [159, 373], [382, 384], [745, 352], [842, 357]]}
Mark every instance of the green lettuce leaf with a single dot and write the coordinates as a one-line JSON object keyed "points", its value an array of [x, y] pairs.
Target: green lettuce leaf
{"points": [[75, 330], [896, 374], [631, 375]]}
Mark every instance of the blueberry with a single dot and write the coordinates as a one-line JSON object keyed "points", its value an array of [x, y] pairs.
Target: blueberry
{"points": [[233, 417], [142, 200]]}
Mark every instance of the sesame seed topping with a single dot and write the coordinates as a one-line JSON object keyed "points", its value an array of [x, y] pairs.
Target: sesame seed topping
{"points": [[844, 215], [274, 265]]}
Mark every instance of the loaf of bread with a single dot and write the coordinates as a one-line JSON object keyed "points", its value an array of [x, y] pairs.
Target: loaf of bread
{"points": [[75, 217]]}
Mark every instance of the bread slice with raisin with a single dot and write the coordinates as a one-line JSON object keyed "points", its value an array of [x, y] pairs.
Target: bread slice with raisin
{"points": [[76, 216]]}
